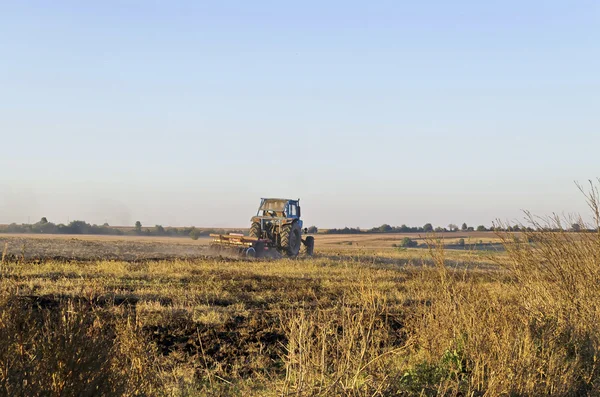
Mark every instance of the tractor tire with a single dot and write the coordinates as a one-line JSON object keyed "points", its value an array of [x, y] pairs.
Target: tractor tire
{"points": [[259, 249], [309, 245], [291, 239], [254, 230]]}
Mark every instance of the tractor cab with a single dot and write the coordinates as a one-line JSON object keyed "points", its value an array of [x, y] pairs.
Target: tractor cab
{"points": [[279, 208]]}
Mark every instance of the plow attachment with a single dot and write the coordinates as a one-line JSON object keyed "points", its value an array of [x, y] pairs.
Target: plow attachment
{"points": [[248, 246]]}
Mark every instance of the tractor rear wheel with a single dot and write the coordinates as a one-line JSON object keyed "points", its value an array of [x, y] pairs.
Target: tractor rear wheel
{"points": [[309, 245], [255, 230], [291, 239]]}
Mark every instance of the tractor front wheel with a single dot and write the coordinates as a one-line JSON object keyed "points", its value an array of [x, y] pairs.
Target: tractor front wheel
{"points": [[291, 239], [255, 230], [309, 245]]}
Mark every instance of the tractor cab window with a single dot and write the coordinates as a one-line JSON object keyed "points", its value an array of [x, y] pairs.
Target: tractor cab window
{"points": [[272, 207], [293, 210]]}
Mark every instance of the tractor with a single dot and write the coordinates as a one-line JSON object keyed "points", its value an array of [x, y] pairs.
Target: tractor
{"points": [[276, 226], [278, 221]]}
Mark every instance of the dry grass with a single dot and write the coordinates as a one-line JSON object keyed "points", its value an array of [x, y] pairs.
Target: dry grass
{"points": [[69, 347], [355, 322]]}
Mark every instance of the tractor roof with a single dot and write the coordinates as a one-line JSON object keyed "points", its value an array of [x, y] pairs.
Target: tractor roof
{"points": [[275, 204], [278, 199]]}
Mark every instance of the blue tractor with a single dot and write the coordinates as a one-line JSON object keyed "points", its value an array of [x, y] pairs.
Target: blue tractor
{"points": [[278, 222]]}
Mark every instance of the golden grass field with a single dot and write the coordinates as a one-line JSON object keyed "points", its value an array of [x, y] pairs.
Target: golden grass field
{"points": [[106, 315]]}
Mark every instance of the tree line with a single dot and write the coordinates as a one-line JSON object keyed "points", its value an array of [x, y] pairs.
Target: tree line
{"points": [[82, 227], [429, 228]]}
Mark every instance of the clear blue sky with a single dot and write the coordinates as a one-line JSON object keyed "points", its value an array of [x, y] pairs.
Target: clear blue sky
{"points": [[187, 112]]}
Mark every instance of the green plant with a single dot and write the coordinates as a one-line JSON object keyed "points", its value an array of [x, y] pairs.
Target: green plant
{"points": [[195, 234], [407, 242]]}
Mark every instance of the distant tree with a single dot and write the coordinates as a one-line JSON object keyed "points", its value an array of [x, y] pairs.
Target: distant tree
{"points": [[428, 228], [576, 227], [195, 234], [439, 229], [138, 227], [481, 228], [452, 227], [313, 230], [461, 242], [385, 228], [79, 227], [44, 220], [404, 229], [106, 224], [470, 229], [159, 230], [464, 227]]}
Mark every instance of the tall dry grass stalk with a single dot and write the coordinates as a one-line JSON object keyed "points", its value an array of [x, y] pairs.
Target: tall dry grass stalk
{"points": [[348, 349], [3, 261]]}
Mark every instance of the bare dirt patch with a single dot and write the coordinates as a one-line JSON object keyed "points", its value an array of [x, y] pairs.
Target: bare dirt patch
{"points": [[33, 247]]}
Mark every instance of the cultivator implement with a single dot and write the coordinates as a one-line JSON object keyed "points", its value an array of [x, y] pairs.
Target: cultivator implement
{"points": [[248, 246]]}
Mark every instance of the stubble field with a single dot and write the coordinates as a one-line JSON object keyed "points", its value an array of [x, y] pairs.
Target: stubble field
{"points": [[145, 316], [108, 247]]}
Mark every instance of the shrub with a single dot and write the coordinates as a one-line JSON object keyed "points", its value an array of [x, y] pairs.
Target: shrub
{"points": [[195, 234], [407, 242]]}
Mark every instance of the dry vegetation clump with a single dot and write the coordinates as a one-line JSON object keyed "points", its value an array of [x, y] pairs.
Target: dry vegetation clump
{"points": [[69, 348], [532, 330], [347, 349]]}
